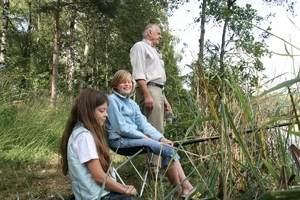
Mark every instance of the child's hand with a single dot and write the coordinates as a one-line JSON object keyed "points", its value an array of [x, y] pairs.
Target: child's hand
{"points": [[165, 141]]}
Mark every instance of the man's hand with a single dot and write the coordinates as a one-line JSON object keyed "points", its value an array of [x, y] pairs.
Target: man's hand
{"points": [[149, 103], [167, 105]]}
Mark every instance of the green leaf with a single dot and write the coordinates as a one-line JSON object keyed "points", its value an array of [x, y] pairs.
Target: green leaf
{"points": [[295, 133], [280, 194], [271, 170], [281, 85]]}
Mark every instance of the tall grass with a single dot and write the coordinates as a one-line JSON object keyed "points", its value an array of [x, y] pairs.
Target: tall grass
{"points": [[29, 129], [30, 133], [247, 164], [243, 165], [240, 165]]}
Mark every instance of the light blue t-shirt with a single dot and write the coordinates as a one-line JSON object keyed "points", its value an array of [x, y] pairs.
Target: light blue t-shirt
{"points": [[83, 185]]}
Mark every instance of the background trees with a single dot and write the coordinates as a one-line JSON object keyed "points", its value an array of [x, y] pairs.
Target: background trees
{"points": [[89, 40], [56, 48]]}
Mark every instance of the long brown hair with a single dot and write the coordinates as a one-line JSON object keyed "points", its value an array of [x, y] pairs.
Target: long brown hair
{"points": [[83, 111]]}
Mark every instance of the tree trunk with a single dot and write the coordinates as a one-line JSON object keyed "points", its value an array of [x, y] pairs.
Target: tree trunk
{"points": [[55, 56], [27, 50], [226, 167], [72, 51], [200, 60], [38, 37], [201, 51], [86, 55], [229, 7], [4, 35]]}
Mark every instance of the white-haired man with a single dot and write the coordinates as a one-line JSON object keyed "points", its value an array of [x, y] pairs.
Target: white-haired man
{"points": [[149, 72]]}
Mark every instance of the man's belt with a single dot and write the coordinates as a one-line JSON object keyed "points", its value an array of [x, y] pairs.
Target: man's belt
{"points": [[155, 84]]}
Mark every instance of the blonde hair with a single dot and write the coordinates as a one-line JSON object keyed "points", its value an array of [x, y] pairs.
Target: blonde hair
{"points": [[120, 77]]}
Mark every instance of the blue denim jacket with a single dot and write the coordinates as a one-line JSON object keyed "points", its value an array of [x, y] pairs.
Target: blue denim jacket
{"points": [[126, 120]]}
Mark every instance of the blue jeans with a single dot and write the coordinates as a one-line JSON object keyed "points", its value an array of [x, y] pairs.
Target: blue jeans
{"points": [[166, 151]]}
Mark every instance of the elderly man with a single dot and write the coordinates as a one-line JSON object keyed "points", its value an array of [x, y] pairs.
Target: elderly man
{"points": [[149, 72]]}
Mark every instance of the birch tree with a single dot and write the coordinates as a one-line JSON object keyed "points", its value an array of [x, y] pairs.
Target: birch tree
{"points": [[71, 69], [86, 54], [4, 35], [55, 55]]}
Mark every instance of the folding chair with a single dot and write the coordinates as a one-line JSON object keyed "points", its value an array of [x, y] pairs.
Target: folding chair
{"points": [[133, 152], [130, 154]]}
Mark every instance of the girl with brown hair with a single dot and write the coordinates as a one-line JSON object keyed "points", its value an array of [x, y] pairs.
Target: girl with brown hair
{"points": [[84, 152]]}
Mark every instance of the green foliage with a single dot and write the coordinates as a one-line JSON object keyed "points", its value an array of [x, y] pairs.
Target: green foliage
{"points": [[29, 130], [242, 46], [289, 5], [31, 37]]}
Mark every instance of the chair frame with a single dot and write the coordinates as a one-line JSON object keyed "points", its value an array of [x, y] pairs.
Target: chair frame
{"points": [[131, 153]]}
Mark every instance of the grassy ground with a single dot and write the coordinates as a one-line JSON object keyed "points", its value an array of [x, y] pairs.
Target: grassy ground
{"points": [[45, 180], [33, 181]]}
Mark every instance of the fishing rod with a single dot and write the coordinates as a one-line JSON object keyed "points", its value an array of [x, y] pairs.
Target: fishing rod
{"points": [[192, 141]]}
